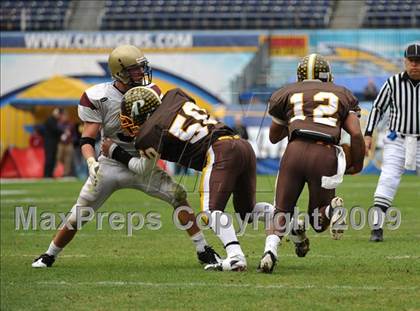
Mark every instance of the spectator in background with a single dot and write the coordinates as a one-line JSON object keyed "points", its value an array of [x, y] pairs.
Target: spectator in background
{"points": [[370, 92], [52, 133], [239, 128], [36, 140], [65, 149], [80, 167]]}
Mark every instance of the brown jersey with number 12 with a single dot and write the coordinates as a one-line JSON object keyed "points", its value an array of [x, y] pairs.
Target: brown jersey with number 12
{"points": [[313, 106]]}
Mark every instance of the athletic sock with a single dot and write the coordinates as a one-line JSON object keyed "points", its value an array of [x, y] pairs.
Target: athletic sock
{"points": [[199, 241], [226, 233], [263, 207], [53, 250], [381, 205], [271, 243], [234, 249], [263, 211]]}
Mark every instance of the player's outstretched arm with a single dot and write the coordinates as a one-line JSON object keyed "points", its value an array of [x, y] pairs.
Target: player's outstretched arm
{"points": [[357, 149], [277, 132], [137, 165]]}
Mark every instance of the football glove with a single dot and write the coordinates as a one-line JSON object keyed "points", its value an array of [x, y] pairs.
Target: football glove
{"points": [[93, 170]]}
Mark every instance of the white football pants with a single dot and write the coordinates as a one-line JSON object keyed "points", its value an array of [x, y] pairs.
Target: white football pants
{"points": [[393, 167], [114, 175]]}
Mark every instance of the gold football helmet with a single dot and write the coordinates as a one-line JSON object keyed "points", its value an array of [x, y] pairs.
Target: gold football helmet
{"points": [[129, 65], [314, 67], [137, 106]]}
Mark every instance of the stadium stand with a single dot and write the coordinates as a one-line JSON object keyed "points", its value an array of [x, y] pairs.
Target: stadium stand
{"points": [[201, 14], [35, 15], [392, 13], [215, 14]]}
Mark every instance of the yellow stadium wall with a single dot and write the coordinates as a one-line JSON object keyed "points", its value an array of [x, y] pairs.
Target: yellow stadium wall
{"points": [[13, 122]]}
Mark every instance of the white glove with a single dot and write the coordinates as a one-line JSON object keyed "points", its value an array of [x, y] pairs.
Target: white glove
{"points": [[93, 170]]}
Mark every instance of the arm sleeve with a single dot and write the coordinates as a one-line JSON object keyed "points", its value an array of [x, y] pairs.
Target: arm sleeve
{"points": [[88, 111], [149, 139], [276, 109], [380, 105]]}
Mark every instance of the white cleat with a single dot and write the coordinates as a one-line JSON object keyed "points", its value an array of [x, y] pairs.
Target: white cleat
{"points": [[338, 220], [234, 263], [267, 262]]}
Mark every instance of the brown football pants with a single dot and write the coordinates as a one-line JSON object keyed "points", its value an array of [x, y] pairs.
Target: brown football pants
{"points": [[306, 161], [230, 169]]}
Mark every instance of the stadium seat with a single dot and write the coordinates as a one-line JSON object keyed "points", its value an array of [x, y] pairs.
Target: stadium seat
{"points": [[35, 15], [215, 14], [391, 13]]}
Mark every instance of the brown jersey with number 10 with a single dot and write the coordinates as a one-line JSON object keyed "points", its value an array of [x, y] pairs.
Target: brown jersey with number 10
{"points": [[313, 107]]}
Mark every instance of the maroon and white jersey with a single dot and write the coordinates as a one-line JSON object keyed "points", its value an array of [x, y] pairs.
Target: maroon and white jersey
{"points": [[101, 104]]}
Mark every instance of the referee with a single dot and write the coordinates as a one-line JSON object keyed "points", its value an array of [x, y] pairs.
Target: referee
{"points": [[401, 94]]}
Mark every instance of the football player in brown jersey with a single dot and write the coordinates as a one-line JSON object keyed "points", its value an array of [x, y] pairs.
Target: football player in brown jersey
{"points": [[178, 130], [311, 113]]}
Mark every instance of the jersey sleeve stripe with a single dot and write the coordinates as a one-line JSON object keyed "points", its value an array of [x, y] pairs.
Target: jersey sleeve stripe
{"points": [[155, 88], [85, 102], [278, 121]]}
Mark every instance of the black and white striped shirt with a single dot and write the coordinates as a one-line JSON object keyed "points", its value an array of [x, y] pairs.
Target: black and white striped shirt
{"points": [[402, 97]]}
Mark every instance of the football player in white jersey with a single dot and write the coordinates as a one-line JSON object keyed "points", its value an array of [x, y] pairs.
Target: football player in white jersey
{"points": [[99, 109]]}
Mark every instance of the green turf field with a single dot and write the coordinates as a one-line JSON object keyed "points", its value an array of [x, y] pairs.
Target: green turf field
{"points": [[158, 270]]}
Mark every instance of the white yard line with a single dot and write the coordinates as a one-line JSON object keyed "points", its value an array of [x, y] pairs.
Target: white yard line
{"points": [[241, 285], [12, 192], [349, 184], [36, 200], [402, 257], [6, 181], [60, 256]]}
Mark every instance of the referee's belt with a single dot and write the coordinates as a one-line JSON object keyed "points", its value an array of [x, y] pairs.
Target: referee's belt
{"points": [[227, 137], [404, 136]]}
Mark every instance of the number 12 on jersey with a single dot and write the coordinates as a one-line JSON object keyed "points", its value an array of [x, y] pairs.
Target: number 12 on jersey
{"points": [[321, 113]]}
